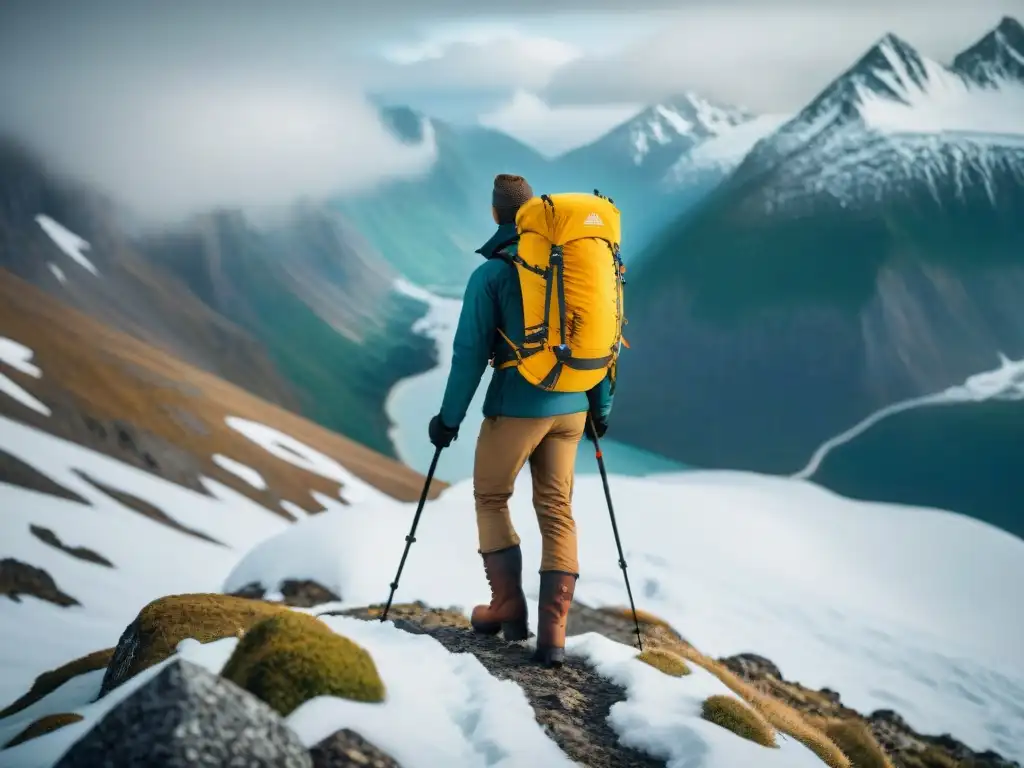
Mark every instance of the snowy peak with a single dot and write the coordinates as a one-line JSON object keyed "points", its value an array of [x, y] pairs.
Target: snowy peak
{"points": [[680, 123], [997, 57], [892, 67], [891, 71], [656, 136]]}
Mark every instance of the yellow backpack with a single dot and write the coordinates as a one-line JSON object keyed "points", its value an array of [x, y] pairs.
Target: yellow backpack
{"points": [[571, 276]]}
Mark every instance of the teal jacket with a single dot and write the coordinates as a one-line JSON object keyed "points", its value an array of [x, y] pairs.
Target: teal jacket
{"points": [[493, 300]]}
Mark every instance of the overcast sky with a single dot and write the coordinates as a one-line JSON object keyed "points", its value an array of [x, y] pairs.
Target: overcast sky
{"points": [[182, 105]]}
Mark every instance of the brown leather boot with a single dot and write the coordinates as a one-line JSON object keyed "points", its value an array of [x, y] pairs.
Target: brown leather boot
{"points": [[556, 590], [507, 611]]}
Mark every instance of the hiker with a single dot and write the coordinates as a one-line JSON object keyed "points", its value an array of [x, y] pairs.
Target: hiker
{"points": [[522, 422]]}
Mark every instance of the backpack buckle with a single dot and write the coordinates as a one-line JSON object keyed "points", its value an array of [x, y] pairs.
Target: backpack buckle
{"points": [[562, 353]]}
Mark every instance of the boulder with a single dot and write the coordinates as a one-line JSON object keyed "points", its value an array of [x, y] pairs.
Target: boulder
{"points": [[185, 717], [161, 625], [291, 658], [347, 749]]}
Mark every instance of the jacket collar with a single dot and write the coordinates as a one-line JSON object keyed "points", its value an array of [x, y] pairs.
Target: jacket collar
{"points": [[505, 234]]}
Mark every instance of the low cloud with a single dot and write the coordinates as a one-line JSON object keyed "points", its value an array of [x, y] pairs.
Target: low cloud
{"points": [[769, 56], [168, 149], [497, 62], [171, 116], [554, 130]]}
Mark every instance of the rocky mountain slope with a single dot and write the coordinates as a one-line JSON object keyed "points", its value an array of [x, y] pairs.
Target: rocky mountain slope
{"points": [[72, 243], [227, 295], [312, 278], [100, 388], [865, 253]]}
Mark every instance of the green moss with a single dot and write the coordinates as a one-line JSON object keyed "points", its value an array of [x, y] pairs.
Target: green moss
{"points": [[50, 681], [733, 715], [291, 658], [165, 622], [43, 726], [858, 743], [665, 661]]}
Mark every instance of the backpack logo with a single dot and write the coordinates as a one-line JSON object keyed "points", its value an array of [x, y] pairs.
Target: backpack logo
{"points": [[593, 220]]}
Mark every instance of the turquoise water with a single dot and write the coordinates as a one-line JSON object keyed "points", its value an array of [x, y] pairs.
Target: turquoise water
{"points": [[413, 401]]}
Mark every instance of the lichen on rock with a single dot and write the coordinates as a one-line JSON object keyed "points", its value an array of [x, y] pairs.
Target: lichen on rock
{"points": [[165, 622], [292, 657]]}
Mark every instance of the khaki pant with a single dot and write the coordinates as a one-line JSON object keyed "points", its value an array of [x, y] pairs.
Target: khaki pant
{"points": [[503, 448]]}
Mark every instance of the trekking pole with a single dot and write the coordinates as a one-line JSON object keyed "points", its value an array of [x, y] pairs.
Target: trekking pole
{"points": [[615, 528], [412, 531]]}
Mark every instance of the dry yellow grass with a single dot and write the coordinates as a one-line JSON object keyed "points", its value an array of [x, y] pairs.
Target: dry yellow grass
{"points": [[665, 661], [644, 617], [48, 682], [734, 715], [857, 743], [781, 716], [91, 369], [43, 726]]}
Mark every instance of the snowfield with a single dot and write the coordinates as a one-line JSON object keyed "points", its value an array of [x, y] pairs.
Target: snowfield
{"points": [[859, 597]]}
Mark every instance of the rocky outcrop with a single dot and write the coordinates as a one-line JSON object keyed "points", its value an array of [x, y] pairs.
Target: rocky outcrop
{"points": [[13, 471], [47, 536], [906, 747], [185, 713], [116, 395], [18, 579], [347, 749], [299, 593]]}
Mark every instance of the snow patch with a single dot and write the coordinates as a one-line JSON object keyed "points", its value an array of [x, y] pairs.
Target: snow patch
{"points": [[57, 272], [70, 243], [726, 150], [1003, 383], [298, 454], [452, 711], [241, 471], [19, 357], [662, 714]]}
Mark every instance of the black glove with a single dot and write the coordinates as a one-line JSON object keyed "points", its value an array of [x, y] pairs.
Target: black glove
{"points": [[596, 424], [440, 434]]}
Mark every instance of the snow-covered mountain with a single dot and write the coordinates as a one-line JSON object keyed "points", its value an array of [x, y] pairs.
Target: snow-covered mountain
{"points": [[997, 57], [897, 118], [656, 137], [867, 252]]}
